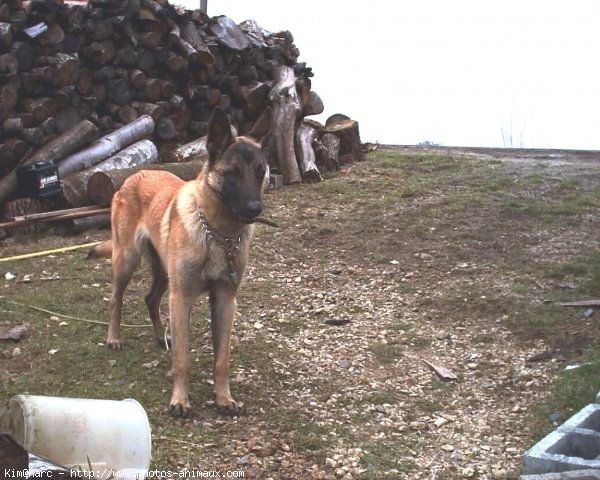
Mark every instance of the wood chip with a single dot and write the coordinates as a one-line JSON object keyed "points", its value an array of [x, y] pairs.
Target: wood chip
{"points": [[441, 372]]}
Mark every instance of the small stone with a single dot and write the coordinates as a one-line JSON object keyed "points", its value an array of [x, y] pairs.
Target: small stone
{"points": [[588, 313], [439, 422], [447, 448], [468, 472], [243, 460], [152, 364], [344, 363], [555, 418], [53, 351], [330, 462], [499, 473], [258, 325], [16, 352]]}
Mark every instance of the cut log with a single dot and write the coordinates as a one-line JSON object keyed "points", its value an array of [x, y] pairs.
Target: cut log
{"points": [[346, 130], [165, 129], [313, 105], [107, 146], [327, 152], [194, 150], [65, 65], [190, 33], [305, 136], [285, 108], [254, 94], [5, 35], [68, 142], [103, 185], [228, 33], [75, 185]]}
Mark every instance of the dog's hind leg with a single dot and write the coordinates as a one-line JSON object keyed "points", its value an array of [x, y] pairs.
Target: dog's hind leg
{"points": [[124, 263], [158, 288]]}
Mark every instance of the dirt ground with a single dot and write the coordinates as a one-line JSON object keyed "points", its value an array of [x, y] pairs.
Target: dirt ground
{"points": [[453, 257]]}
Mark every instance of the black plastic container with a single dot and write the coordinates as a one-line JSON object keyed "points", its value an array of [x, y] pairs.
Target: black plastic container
{"points": [[39, 179]]}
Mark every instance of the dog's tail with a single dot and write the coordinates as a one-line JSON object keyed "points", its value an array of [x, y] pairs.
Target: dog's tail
{"points": [[102, 250]]}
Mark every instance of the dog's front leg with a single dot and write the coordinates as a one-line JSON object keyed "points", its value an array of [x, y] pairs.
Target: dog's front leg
{"points": [[222, 307], [180, 308]]}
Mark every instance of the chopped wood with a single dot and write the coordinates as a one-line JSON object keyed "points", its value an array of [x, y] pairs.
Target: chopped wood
{"points": [[305, 136], [108, 62], [229, 33], [346, 130], [285, 108], [68, 142], [103, 185], [107, 145], [75, 185]]}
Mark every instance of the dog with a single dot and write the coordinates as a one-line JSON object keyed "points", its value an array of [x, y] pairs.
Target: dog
{"points": [[195, 236]]}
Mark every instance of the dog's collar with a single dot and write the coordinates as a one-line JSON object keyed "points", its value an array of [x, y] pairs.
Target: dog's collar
{"points": [[231, 245]]}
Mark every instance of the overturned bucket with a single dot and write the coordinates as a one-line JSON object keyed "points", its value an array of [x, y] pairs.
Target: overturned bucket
{"points": [[113, 437]]}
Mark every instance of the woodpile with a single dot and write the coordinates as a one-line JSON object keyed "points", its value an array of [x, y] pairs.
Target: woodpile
{"points": [[70, 74]]}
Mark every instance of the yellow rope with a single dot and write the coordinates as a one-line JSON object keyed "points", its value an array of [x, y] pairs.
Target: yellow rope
{"points": [[48, 252], [70, 317]]}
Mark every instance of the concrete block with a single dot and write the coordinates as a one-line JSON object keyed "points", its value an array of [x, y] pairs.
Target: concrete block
{"points": [[572, 475], [575, 445]]}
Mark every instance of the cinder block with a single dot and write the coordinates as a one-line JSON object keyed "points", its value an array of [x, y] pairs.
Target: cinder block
{"points": [[573, 475], [575, 445]]}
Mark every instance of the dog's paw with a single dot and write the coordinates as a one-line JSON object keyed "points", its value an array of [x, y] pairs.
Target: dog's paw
{"points": [[114, 344], [179, 410], [229, 407]]}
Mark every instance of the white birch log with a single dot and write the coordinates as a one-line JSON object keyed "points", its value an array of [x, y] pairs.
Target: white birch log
{"points": [[305, 136], [285, 108], [75, 185], [107, 146]]}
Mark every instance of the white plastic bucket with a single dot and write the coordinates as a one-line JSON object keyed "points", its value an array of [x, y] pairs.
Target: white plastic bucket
{"points": [[112, 436]]}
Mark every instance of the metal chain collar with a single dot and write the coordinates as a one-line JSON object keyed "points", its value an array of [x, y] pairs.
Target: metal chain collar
{"points": [[231, 246]]}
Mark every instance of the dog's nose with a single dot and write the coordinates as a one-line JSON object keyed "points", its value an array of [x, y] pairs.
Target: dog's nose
{"points": [[253, 208]]}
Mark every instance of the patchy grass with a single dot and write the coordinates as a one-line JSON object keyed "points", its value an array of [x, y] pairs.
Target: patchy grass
{"points": [[446, 257]]}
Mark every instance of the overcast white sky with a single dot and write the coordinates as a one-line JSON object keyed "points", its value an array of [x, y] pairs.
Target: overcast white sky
{"points": [[461, 72]]}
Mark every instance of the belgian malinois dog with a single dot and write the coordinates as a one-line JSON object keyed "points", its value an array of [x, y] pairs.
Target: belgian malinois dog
{"points": [[196, 237]]}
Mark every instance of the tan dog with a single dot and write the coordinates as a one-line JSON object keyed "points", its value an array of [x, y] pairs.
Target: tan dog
{"points": [[196, 237]]}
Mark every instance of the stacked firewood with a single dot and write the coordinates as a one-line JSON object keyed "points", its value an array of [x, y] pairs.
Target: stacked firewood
{"points": [[109, 62]]}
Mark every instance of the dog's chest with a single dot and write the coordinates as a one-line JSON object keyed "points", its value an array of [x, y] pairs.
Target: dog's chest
{"points": [[211, 266]]}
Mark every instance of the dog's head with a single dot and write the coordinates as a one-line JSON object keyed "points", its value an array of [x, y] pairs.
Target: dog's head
{"points": [[236, 166]]}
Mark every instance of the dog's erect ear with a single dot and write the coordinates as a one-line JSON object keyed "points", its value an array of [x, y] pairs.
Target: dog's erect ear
{"points": [[219, 135], [262, 126]]}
